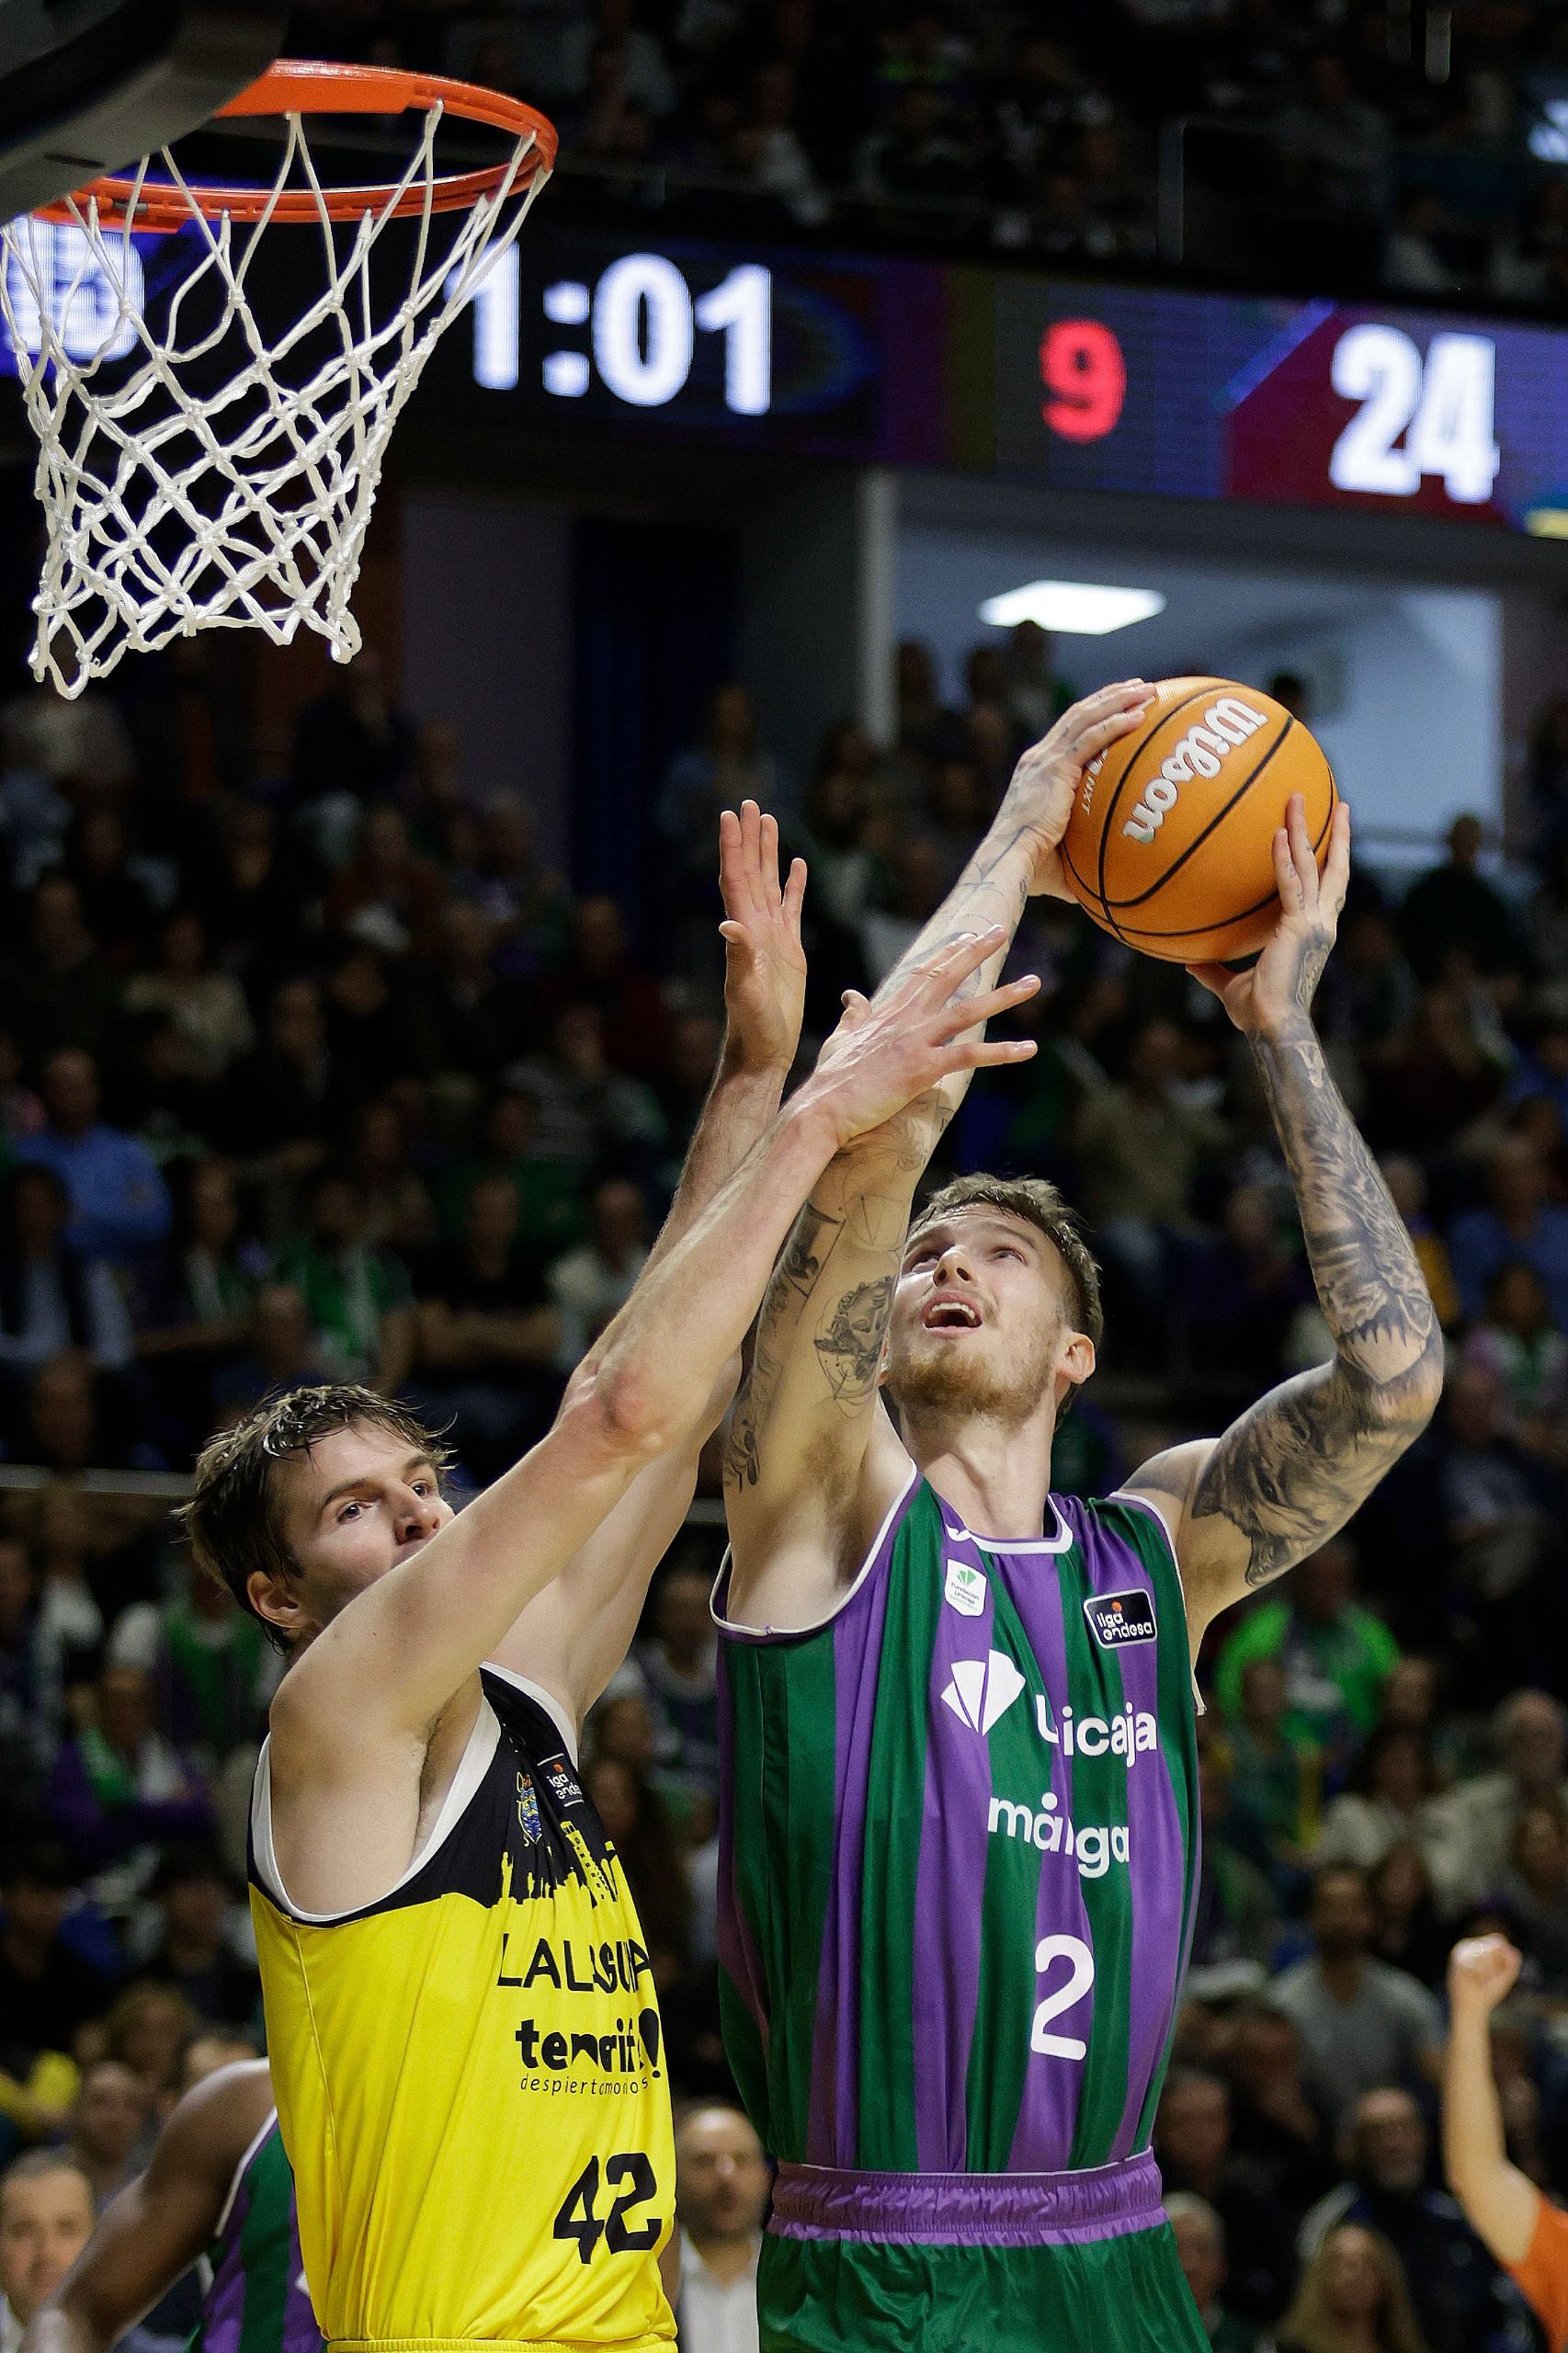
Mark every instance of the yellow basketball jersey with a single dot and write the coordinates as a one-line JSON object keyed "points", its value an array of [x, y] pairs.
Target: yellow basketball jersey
{"points": [[470, 2074]]}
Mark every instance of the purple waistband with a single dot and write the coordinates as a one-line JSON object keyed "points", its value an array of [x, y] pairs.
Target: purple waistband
{"points": [[969, 2208]]}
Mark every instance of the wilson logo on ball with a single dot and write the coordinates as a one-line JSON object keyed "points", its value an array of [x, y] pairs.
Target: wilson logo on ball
{"points": [[1200, 752]]}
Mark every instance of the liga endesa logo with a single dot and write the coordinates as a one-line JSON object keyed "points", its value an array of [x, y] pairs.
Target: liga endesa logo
{"points": [[1117, 1618]]}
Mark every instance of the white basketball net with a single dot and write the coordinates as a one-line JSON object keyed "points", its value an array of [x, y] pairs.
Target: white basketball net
{"points": [[225, 477]]}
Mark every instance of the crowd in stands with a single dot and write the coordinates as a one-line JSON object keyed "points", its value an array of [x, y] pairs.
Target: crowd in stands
{"points": [[1417, 144], [321, 1070]]}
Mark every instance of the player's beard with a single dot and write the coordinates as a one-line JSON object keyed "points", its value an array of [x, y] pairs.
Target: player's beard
{"points": [[949, 1380]]}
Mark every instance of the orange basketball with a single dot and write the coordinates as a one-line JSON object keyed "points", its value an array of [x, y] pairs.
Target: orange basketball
{"points": [[1170, 843]]}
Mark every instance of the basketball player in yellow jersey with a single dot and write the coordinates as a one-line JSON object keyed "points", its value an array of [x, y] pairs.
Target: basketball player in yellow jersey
{"points": [[461, 2025]]}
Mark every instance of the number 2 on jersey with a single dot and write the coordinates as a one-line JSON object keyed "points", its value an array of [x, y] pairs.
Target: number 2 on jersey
{"points": [[1079, 1979]]}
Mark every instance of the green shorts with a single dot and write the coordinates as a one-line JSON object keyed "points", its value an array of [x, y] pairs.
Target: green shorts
{"points": [[1114, 2295]]}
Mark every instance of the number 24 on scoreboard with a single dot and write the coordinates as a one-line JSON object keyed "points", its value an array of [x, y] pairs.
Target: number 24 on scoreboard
{"points": [[1416, 414]]}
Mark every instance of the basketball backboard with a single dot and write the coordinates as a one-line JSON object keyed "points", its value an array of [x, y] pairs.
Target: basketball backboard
{"points": [[86, 87]]}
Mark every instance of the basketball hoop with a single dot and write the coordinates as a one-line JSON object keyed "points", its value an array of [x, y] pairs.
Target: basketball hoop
{"points": [[202, 464]]}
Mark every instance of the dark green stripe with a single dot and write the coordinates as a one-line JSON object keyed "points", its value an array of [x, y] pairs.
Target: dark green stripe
{"points": [[266, 2245], [895, 1798], [1099, 1802], [1178, 1752], [783, 1863], [999, 2051]]}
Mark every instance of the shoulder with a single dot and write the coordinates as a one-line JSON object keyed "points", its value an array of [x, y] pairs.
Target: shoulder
{"points": [[215, 2124]]}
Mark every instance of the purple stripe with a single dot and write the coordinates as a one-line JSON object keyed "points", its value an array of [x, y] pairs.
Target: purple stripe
{"points": [[224, 2306], [1042, 2137], [968, 2210], [737, 1954], [949, 1885], [833, 2117], [1155, 1880]]}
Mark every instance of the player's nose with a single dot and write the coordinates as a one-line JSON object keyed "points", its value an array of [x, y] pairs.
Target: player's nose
{"points": [[953, 1265]]}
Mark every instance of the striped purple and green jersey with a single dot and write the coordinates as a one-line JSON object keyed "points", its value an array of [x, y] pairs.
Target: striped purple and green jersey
{"points": [[958, 1845], [258, 2301]]}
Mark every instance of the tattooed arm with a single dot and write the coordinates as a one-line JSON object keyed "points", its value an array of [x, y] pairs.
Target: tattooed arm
{"points": [[813, 1461], [1292, 1470]]}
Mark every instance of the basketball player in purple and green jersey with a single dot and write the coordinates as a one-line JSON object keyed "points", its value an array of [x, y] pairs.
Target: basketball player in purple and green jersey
{"points": [[960, 1814], [217, 2187]]}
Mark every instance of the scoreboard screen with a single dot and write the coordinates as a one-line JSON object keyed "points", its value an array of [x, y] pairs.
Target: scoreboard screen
{"points": [[593, 333]]}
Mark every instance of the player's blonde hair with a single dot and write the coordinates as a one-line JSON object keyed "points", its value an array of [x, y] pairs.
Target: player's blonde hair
{"points": [[233, 1521]]}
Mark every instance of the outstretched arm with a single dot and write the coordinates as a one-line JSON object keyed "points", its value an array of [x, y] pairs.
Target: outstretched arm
{"points": [[372, 1682], [1501, 2203], [151, 2234], [812, 1461], [1295, 1467], [573, 1635]]}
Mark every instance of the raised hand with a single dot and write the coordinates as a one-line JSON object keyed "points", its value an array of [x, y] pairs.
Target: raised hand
{"points": [[1482, 1972], [764, 965], [1277, 992], [884, 1055], [1045, 783]]}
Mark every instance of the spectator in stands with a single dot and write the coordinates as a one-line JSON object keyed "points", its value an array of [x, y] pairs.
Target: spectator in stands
{"points": [[916, 161], [250, 901], [282, 1101], [1453, 2286], [721, 2188], [200, 1304], [1520, 1346], [1363, 2024], [1240, 1293], [25, 1738], [400, 1214], [1439, 1074], [638, 1826], [1201, 2242], [1274, 2125], [679, 1667], [57, 989], [1369, 993], [1276, 1770], [283, 1352], [591, 1284], [385, 895], [1333, 146], [1534, 1894], [1499, 1514], [69, 1630], [1406, 1181], [64, 1427], [1192, 2141], [119, 1204], [207, 1007], [195, 1937], [53, 1296], [1416, 253], [109, 2118], [1454, 906], [1520, 1223], [488, 1333], [358, 1298], [49, 1991], [528, 904], [1353, 2298], [148, 2030], [727, 766], [46, 2219], [1140, 1148], [367, 1029], [597, 970], [118, 1787], [211, 1666], [1409, 1933], [353, 742], [548, 1189], [465, 1017], [117, 906], [587, 1115], [1389, 1798], [1336, 1655]]}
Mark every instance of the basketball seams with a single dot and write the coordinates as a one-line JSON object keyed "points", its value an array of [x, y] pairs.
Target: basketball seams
{"points": [[1218, 817], [1186, 931], [1120, 785]]}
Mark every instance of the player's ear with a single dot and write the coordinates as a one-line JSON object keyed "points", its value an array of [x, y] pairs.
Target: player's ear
{"points": [[275, 1596], [885, 1362], [1078, 1357]]}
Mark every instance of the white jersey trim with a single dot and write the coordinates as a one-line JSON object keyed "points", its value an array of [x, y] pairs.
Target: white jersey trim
{"points": [[815, 1626], [1057, 1543], [471, 1769], [240, 2172]]}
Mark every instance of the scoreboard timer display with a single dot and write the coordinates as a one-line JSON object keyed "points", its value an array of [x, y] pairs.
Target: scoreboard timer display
{"points": [[593, 333]]}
